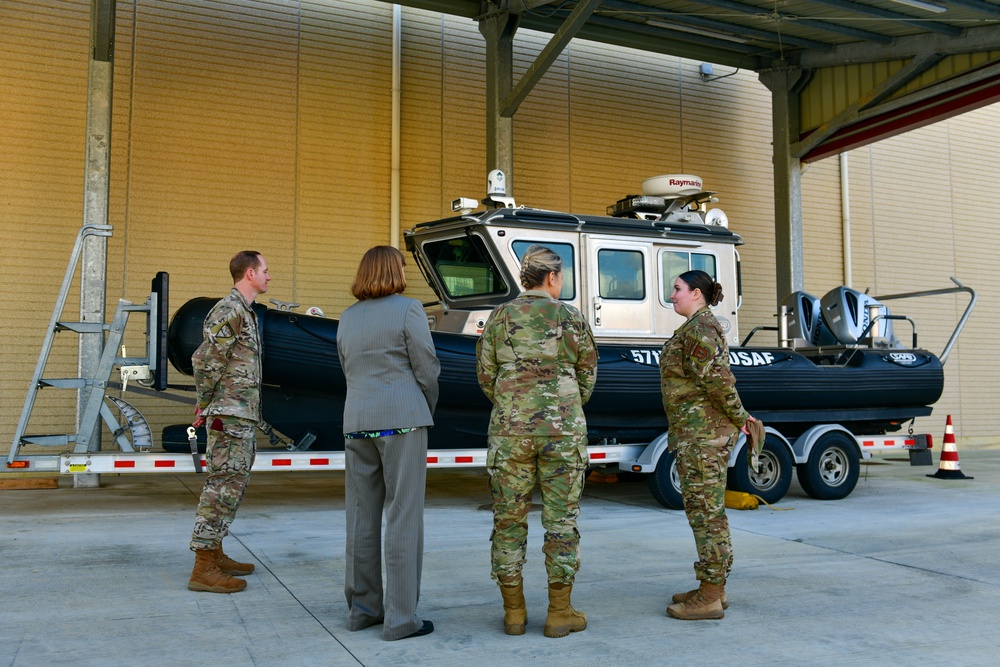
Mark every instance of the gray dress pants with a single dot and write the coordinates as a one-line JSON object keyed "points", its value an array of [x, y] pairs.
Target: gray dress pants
{"points": [[387, 473]]}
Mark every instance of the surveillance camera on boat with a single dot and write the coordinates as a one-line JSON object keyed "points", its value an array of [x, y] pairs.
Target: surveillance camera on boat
{"points": [[496, 191], [496, 183], [464, 205]]}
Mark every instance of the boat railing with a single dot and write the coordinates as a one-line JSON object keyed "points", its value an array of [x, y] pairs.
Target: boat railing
{"points": [[755, 330], [869, 341], [873, 340], [947, 290]]}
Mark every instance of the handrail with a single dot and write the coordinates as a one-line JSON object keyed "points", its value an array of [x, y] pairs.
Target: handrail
{"points": [[947, 290], [755, 330], [871, 325]]}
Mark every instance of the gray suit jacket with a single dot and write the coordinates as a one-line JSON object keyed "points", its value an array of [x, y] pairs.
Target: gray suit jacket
{"points": [[388, 357]]}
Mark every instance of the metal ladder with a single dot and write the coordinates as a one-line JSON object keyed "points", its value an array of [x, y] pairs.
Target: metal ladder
{"points": [[95, 407]]}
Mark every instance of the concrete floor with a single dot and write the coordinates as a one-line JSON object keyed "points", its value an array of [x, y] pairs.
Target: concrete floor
{"points": [[902, 572]]}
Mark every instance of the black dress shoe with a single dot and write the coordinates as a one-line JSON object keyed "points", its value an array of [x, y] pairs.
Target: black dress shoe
{"points": [[426, 629]]}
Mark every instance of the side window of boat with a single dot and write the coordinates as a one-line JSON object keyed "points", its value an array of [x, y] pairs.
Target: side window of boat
{"points": [[565, 252], [463, 266], [620, 275], [675, 262]]}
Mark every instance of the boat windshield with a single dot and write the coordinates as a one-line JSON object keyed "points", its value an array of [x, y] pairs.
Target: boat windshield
{"points": [[463, 267]]}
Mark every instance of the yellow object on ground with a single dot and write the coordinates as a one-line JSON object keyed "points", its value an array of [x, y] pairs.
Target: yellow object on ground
{"points": [[738, 500]]}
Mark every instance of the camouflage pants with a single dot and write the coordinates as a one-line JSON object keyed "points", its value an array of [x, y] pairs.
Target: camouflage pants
{"points": [[515, 464], [702, 465], [231, 452]]}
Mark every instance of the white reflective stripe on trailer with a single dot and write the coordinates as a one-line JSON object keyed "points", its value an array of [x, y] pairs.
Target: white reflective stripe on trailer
{"points": [[271, 461], [33, 463], [880, 442], [152, 462], [600, 454]]}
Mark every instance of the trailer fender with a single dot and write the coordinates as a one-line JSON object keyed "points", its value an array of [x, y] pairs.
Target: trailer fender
{"points": [[647, 460], [803, 445]]}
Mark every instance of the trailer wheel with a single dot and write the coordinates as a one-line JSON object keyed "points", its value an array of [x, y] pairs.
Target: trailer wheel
{"points": [[832, 471], [664, 483], [775, 475]]}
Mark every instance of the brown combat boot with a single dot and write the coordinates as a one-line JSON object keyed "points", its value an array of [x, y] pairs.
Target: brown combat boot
{"points": [[232, 567], [562, 618], [682, 597], [706, 603], [515, 613], [207, 576]]}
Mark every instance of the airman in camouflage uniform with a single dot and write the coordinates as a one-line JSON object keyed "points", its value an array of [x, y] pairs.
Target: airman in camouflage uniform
{"points": [[704, 413], [227, 373], [537, 363]]}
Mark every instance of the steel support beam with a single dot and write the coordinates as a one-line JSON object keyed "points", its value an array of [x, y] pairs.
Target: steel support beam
{"points": [[570, 27], [784, 85], [870, 98], [97, 169], [973, 40]]}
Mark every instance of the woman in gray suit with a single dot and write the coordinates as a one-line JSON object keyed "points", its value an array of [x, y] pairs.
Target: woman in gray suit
{"points": [[388, 357]]}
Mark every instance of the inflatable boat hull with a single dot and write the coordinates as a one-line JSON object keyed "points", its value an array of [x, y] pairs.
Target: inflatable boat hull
{"points": [[863, 389]]}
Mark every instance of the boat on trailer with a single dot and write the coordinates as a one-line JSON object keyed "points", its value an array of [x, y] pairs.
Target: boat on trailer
{"points": [[836, 368]]}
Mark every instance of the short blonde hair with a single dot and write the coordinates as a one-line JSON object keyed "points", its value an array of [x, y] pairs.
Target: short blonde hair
{"points": [[380, 273]]}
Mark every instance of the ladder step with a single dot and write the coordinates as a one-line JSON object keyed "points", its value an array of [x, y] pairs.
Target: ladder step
{"points": [[48, 440], [82, 327], [65, 383]]}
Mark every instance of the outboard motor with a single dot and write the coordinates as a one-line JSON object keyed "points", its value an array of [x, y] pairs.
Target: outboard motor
{"points": [[847, 313], [805, 321]]}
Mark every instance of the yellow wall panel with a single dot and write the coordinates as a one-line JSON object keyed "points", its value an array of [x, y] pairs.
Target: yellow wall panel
{"points": [[42, 120]]}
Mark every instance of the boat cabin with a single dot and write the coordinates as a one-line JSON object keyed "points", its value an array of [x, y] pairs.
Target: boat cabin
{"points": [[618, 270]]}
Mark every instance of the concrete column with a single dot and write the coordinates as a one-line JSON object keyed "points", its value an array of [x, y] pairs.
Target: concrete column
{"points": [[787, 179], [498, 28], [97, 168]]}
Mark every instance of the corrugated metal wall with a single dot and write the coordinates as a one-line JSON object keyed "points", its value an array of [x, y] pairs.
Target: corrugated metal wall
{"points": [[43, 95], [267, 125]]}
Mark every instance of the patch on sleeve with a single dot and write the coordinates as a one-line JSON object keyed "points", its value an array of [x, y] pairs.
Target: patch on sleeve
{"points": [[699, 352], [223, 331]]}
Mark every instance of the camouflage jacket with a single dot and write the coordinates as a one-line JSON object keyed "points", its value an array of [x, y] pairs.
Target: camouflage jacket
{"points": [[537, 363], [699, 390], [227, 365]]}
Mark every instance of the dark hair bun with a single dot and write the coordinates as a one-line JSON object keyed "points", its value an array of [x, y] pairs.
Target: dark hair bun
{"points": [[716, 294]]}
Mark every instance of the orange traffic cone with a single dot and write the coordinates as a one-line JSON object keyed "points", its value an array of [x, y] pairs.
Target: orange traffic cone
{"points": [[948, 468]]}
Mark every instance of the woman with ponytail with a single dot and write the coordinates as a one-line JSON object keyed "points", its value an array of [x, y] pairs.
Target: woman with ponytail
{"points": [[705, 414]]}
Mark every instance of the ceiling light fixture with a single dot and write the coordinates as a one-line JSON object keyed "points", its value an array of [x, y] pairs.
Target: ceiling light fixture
{"points": [[926, 6], [697, 31]]}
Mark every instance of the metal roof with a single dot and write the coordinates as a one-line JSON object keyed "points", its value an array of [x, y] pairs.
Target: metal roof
{"points": [[864, 69], [762, 34]]}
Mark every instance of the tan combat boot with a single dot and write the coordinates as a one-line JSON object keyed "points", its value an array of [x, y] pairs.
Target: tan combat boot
{"points": [[232, 567], [515, 613], [706, 603], [207, 576], [562, 618], [681, 597]]}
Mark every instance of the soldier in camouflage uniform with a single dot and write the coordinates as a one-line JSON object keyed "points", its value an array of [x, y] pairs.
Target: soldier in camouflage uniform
{"points": [[537, 363], [704, 413], [227, 374]]}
